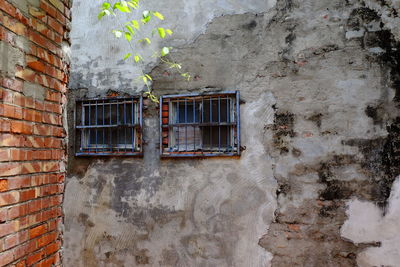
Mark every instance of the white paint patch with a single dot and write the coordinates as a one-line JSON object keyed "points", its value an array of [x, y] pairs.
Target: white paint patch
{"points": [[366, 224]]}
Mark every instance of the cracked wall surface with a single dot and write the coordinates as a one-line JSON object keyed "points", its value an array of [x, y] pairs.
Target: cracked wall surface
{"points": [[319, 84]]}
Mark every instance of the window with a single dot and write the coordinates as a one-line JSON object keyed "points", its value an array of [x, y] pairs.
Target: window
{"points": [[200, 125], [109, 126]]}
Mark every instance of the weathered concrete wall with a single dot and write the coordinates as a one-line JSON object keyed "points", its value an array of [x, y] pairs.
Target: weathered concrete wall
{"points": [[320, 89], [34, 71]]}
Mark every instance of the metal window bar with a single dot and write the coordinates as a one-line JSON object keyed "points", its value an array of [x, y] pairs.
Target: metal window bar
{"points": [[216, 125], [194, 127], [93, 127]]}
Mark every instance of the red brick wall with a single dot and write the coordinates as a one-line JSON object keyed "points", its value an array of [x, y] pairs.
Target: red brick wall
{"points": [[33, 80]]}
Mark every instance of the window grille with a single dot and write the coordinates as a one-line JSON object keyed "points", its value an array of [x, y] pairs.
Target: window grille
{"points": [[200, 125], [109, 126]]}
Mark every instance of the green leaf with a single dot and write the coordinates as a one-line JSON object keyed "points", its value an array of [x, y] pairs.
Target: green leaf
{"points": [[161, 32], [127, 56], [164, 51], [128, 36], [186, 76], [123, 8], [101, 14], [117, 33], [134, 3], [148, 77], [147, 40], [144, 79], [135, 24], [130, 29], [169, 31], [146, 14], [106, 5], [137, 58], [158, 15]]}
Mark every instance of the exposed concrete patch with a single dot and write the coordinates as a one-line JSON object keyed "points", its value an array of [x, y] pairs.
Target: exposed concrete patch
{"points": [[11, 57], [34, 90]]}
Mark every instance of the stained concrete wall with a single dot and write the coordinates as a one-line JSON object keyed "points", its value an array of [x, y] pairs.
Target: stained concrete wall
{"points": [[320, 127]]}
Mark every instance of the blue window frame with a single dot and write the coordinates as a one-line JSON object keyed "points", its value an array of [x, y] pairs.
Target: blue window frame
{"points": [[109, 126], [200, 125]]}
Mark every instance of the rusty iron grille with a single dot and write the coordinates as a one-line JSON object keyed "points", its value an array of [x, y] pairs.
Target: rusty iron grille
{"points": [[109, 126], [200, 125]]}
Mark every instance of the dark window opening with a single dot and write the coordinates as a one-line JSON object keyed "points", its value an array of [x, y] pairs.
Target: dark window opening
{"points": [[200, 125], [109, 126]]}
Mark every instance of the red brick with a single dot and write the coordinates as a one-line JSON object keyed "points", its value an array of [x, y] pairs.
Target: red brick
{"points": [[6, 257], [19, 100], [35, 64], [32, 115], [12, 24], [8, 97], [49, 190], [9, 169], [23, 155], [46, 239], [48, 57], [21, 263], [50, 142], [49, 262], [35, 205], [11, 241], [3, 185], [21, 17], [37, 256], [18, 211], [8, 8], [3, 218], [56, 108], [42, 130], [58, 27], [27, 195], [8, 140], [9, 198], [7, 110], [31, 167], [21, 127], [26, 74], [53, 247], [8, 228], [48, 8], [58, 131], [25, 249], [5, 126], [41, 40], [4, 155], [35, 142], [53, 96], [19, 182], [37, 231], [17, 155], [39, 105]]}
